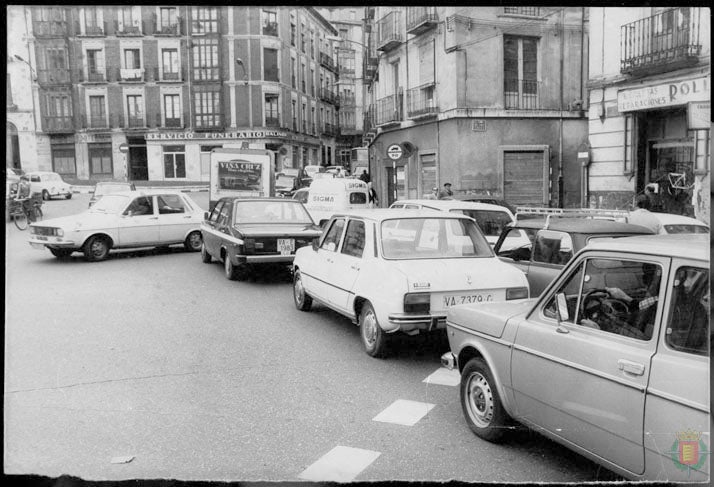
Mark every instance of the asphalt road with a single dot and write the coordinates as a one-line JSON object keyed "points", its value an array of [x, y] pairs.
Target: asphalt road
{"points": [[152, 365]]}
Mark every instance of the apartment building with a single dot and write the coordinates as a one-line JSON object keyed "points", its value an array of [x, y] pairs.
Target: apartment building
{"points": [[489, 99], [650, 117], [146, 92]]}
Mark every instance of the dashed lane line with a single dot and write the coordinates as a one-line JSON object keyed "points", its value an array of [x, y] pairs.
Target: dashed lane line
{"points": [[341, 464], [404, 412], [445, 377]]}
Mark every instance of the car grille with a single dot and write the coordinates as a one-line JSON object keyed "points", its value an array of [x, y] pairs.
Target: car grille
{"points": [[48, 231]]}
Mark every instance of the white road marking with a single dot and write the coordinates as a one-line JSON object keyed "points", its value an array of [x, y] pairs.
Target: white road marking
{"points": [[404, 412], [341, 464], [444, 377]]}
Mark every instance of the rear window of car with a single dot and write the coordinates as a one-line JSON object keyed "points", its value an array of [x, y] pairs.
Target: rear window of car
{"points": [[270, 212], [491, 223], [686, 228]]}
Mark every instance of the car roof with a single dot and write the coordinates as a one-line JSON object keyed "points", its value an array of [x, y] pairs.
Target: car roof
{"points": [[673, 219], [242, 199], [690, 246], [147, 192], [381, 214], [582, 225], [456, 205]]}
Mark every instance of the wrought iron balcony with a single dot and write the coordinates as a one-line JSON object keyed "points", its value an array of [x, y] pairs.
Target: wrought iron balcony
{"points": [[95, 122], [52, 77], [155, 74], [50, 28], [127, 30], [326, 61], [135, 122], [272, 121], [94, 76], [98, 29], [663, 42], [421, 19], [328, 96], [57, 124], [329, 129], [389, 31], [173, 123], [168, 28], [388, 109], [521, 94], [421, 102]]}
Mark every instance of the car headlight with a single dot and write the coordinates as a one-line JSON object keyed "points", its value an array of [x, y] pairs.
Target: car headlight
{"points": [[59, 232], [516, 293], [417, 303]]}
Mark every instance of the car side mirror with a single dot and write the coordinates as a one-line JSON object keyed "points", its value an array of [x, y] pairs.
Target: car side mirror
{"points": [[205, 215], [314, 244], [562, 307]]}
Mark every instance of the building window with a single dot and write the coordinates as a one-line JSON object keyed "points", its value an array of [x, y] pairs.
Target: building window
{"points": [[293, 72], [527, 11], [272, 117], [205, 20], [302, 78], [97, 112], [63, 160], [55, 58], [312, 45], [205, 60], [91, 21], [172, 110], [174, 161], [167, 19], [132, 58], [170, 64], [294, 113], [270, 23], [303, 116], [58, 111], [128, 22], [312, 82], [100, 159], [208, 109], [520, 65], [135, 110], [302, 39], [293, 29], [270, 65], [95, 65]]}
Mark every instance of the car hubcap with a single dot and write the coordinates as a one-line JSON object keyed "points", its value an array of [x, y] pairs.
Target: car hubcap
{"points": [[369, 332], [299, 291], [480, 400], [195, 241], [97, 249]]}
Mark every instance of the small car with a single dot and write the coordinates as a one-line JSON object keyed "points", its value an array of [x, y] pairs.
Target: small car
{"points": [[491, 219], [107, 187], [130, 219], [485, 199], [672, 223], [245, 233], [50, 184], [286, 185], [549, 243], [400, 270], [612, 360]]}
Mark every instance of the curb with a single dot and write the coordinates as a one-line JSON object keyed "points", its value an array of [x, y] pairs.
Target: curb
{"points": [[183, 189]]}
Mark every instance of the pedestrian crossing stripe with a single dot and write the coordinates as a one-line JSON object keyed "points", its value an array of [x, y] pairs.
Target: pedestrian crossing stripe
{"points": [[404, 412], [341, 464]]}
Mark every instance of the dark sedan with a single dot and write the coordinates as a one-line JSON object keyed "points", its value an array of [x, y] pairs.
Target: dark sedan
{"points": [[245, 233]]}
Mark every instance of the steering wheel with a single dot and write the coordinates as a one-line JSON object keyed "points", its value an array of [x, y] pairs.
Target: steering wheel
{"points": [[593, 301]]}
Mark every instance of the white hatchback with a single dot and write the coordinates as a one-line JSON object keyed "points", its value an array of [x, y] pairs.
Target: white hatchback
{"points": [[398, 270], [50, 184], [129, 219]]}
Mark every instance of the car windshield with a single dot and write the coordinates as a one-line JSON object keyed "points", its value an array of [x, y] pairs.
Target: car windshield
{"points": [[284, 181], [432, 238], [491, 223], [270, 212], [111, 203], [685, 228], [110, 188]]}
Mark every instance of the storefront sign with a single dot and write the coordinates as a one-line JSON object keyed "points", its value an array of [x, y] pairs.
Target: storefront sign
{"points": [[670, 94], [240, 134], [699, 115]]}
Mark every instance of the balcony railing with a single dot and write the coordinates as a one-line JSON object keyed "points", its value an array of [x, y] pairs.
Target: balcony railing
{"points": [[421, 19], [329, 129], [154, 74], [99, 29], [326, 61], [49, 77], [421, 101], [347, 100], [328, 96], [127, 29], [169, 28], [173, 123], [49, 28], [212, 74], [389, 31], [135, 122], [272, 121], [521, 94], [131, 74], [208, 121], [388, 109], [95, 122], [665, 41], [55, 124]]}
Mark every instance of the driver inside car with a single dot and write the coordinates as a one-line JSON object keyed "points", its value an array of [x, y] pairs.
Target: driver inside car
{"points": [[643, 309]]}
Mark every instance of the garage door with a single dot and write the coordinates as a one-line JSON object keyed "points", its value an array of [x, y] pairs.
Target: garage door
{"points": [[523, 180]]}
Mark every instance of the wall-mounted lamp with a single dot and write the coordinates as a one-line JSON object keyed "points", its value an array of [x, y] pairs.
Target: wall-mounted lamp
{"points": [[32, 70], [239, 62]]}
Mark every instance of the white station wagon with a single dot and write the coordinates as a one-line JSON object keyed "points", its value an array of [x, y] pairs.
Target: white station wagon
{"points": [[129, 219], [401, 270]]}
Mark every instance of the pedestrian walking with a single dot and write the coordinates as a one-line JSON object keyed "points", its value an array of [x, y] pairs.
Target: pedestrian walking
{"points": [[446, 192], [364, 176]]}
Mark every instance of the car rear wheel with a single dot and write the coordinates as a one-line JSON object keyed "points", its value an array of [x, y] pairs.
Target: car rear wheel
{"points": [[205, 256], [45, 195], [374, 339], [481, 403], [69, 196], [194, 242], [96, 249], [303, 302], [62, 253], [229, 269]]}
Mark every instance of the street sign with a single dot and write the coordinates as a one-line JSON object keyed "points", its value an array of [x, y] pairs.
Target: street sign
{"points": [[394, 152], [124, 148]]}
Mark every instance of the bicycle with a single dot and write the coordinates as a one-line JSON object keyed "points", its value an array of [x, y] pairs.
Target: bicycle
{"points": [[25, 211]]}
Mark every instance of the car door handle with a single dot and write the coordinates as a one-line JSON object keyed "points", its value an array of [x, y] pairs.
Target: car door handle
{"points": [[355, 267], [560, 329], [153, 218], [630, 367]]}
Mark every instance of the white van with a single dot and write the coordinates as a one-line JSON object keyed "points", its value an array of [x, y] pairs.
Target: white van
{"points": [[330, 196]]}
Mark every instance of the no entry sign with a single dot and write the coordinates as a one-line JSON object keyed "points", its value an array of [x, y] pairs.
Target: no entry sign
{"points": [[395, 152]]}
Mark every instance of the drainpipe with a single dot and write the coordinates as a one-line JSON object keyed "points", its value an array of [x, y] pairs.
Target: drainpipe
{"points": [[189, 45], [32, 85], [560, 125]]}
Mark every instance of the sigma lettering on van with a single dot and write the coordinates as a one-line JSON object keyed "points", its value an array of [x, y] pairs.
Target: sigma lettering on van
{"points": [[323, 198], [356, 185]]}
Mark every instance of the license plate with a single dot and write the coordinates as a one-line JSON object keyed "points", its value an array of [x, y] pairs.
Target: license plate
{"points": [[286, 246], [447, 300], [37, 246], [40, 237]]}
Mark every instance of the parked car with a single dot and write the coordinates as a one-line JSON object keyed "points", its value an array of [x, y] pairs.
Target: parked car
{"points": [[485, 199], [50, 184], [244, 233], [286, 185], [612, 360], [672, 223], [400, 270], [491, 219], [107, 187], [550, 243], [130, 219]]}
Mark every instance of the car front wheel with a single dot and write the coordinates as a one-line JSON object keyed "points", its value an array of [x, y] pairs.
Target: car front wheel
{"points": [[374, 339], [68, 196], [96, 249], [45, 195], [205, 256], [193, 242], [481, 403], [303, 302]]}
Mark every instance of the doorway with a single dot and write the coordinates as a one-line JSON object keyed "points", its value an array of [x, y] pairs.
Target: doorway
{"points": [[138, 164]]}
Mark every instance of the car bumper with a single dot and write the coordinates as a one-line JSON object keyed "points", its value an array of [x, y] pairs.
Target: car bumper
{"points": [[265, 259], [407, 322], [450, 361], [40, 244]]}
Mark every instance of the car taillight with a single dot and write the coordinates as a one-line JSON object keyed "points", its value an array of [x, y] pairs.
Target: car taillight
{"points": [[516, 293], [417, 303]]}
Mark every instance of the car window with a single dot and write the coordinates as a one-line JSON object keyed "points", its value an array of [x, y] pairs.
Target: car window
{"points": [[142, 205], [35, 179], [617, 296], [224, 215], [688, 327], [287, 211], [354, 238], [397, 205], [302, 196], [491, 223], [170, 203], [415, 238], [358, 198], [685, 228], [213, 217], [551, 247], [332, 237], [111, 203]]}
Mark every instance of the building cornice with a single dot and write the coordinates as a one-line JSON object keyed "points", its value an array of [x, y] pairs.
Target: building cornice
{"points": [[610, 81]]}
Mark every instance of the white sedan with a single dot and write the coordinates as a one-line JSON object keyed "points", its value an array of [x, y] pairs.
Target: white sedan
{"points": [[401, 270], [129, 219], [672, 223]]}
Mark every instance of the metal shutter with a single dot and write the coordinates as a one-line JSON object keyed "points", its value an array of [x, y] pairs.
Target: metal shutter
{"points": [[523, 182]]}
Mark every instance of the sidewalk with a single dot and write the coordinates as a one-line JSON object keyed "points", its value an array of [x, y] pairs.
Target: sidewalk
{"points": [[85, 186]]}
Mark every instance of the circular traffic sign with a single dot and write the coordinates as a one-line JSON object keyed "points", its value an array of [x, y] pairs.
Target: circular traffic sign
{"points": [[394, 152], [123, 147]]}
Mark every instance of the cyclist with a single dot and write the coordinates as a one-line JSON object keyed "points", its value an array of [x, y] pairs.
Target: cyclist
{"points": [[22, 196]]}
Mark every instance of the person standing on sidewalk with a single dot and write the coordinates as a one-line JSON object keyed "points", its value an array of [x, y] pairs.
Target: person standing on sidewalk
{"points": [[446, 192]]}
